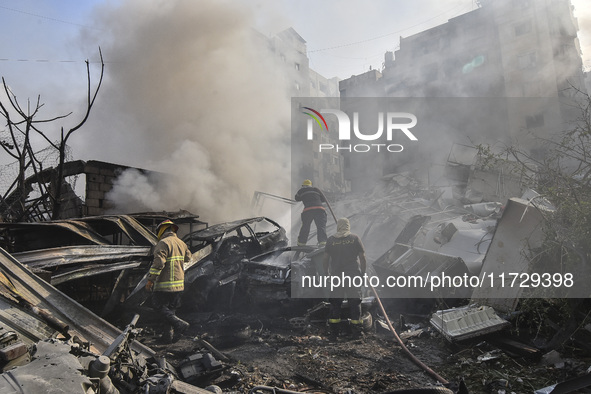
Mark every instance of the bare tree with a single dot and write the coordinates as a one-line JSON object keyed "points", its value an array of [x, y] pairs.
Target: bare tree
{"points": [[17, 144]]}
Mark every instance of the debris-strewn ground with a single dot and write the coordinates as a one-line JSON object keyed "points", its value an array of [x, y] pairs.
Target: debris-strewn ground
{"points": [[269, 351]]}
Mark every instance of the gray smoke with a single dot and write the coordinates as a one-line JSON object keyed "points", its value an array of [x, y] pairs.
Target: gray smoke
{"points": [[582, 12], [190, 91]]}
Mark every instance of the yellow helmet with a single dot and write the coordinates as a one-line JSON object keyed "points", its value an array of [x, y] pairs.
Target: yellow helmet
{"points": [[307, 182], [162, 227]]}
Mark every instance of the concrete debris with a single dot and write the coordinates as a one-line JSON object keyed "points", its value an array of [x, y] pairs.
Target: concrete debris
{"points": [[51, 344], [484, 209], [518, 232], [248, 265]]}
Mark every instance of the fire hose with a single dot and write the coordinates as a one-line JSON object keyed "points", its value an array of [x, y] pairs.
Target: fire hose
{"points": [[412, 357]]}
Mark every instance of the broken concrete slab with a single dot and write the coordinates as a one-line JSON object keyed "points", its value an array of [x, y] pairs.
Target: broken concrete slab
{"points": [[519, 231]]}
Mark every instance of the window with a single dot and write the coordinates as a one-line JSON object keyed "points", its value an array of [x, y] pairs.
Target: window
{"points": [[523, 28]]}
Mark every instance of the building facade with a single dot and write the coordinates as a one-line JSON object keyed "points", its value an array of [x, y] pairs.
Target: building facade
{"points": [[325, 170], [525, 52]]}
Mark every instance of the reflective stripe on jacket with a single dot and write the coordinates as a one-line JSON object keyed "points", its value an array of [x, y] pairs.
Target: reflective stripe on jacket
{"points": [[167, 270]]}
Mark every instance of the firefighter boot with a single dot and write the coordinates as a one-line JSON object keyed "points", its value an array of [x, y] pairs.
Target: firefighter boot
{"points": [[335, 329], [356, 329], [179, 325], [167, 334]]}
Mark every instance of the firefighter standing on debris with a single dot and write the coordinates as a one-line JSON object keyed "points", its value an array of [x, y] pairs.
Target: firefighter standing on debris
{"points": [[344, 254], [312, 198], [166, 277]]}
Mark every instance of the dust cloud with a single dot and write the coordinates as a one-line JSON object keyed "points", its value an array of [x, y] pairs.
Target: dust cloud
{"points": [[192, 92]]}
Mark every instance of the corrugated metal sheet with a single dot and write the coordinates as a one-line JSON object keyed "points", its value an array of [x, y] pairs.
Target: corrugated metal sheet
{"points": [[39, 293], [49, 258]]}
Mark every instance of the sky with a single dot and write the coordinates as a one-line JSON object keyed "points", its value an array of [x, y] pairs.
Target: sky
{"points": [[184, 90], [44, 53]]}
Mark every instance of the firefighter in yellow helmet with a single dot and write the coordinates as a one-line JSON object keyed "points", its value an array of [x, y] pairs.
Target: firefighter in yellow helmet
{"points": [[344, 255], [313, 211], [166, 278]]}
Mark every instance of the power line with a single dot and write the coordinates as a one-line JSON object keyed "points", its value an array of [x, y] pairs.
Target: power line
{"points": [[46, 17], [51, 61], [39, 60], [385, 35]]}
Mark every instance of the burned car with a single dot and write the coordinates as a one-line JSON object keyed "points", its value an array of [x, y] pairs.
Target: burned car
{"points": [[218, 252], [267, 278], [100, 261], [212, 275]]}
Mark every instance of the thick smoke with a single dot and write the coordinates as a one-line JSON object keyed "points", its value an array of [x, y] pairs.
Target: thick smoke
{"points": [[582, 12], [193, 92]]}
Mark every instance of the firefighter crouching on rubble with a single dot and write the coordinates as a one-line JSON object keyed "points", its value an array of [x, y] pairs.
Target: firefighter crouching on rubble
{"points": [[166, 278], [312, 198], [344, 254]]}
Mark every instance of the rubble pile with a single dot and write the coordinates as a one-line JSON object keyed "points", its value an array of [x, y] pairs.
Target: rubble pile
{"points": [[249, 332]]}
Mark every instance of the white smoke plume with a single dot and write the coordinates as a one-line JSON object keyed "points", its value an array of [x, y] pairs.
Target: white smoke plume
{"points": [[582, 11], [190, 91]]}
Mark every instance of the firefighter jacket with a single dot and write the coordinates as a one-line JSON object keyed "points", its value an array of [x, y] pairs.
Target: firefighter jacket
{"points": [[311, 197], [167, 270]]}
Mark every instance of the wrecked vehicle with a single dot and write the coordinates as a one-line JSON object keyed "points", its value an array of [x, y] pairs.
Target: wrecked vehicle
{"points": [[99, 261], [218, 252], [267, 278], [91, 259], [245, 237], [213, 273], [49, 343]]}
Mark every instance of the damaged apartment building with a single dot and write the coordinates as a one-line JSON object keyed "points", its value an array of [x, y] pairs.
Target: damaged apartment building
{"points": [[510, 67]]}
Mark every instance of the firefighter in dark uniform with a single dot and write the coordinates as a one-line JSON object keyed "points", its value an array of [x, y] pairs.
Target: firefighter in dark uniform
{"points": [[312, 198], [166, 278], [344, 255]]}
